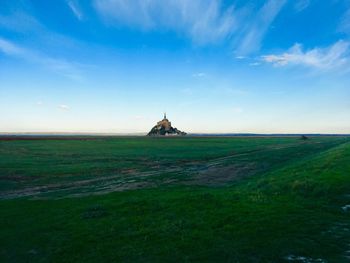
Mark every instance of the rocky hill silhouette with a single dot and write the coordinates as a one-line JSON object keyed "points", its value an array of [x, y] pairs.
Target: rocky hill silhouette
{"points": [[164, 128]]}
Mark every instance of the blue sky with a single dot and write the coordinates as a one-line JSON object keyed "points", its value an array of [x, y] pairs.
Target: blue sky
{"points": [[274, 66]]}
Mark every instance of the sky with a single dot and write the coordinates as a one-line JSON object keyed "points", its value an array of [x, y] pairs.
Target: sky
{"points": [[214, 66]]}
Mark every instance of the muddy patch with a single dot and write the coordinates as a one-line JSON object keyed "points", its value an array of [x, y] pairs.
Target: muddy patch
{"points": [[346, 208], [100, 185], [212, 173], [220, 175], [302, 259]]}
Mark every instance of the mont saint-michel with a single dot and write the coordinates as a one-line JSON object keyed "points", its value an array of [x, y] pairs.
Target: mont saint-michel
{"points": [[164, 128]]}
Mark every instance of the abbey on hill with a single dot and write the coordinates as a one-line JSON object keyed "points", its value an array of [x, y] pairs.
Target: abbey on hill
{"points": [[164, 128]]}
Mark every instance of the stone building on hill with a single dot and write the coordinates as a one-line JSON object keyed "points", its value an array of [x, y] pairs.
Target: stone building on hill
{"points": [[164, 128]]}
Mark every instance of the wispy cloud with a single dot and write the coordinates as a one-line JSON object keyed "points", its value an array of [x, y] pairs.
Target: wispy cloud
{"points": [[328, 58], [255, 31], [9, 48], [203, 20], [64, 107], [300, 5], [20, 22], [60, 66], [29, 28], [344, 25], [73, 5], [254, 64], [199, 75]]}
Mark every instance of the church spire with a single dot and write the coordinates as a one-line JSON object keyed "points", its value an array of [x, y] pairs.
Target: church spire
{"points": [[164, 115]]}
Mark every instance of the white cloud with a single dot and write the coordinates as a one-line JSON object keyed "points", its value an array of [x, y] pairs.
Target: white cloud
{"points": [[328, 58], [254, 64], [60, 66], [256, 29], [9, 48], [32, 31], [199, 75], [64, 107], [300, 5], [203, 20], [73, 5]]}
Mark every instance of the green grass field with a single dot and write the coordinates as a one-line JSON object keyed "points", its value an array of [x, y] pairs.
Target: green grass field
{"points": [[186, 199]]}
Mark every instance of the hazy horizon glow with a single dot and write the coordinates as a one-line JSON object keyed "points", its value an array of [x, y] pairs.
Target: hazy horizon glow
{"points": [[114, 66]]}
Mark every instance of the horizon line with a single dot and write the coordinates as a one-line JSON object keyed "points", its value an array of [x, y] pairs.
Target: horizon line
{"points": [[145, 133]]}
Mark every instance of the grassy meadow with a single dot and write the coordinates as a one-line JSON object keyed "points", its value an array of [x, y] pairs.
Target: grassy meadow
{"points": [[184, 199]]}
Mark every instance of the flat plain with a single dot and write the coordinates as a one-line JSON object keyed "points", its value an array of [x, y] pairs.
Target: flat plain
{"points": [[183, 199]]}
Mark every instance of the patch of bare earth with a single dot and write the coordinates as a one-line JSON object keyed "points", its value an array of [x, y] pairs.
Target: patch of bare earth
{"points": [[303, 259], [221, 175], [213, 172], [129, 180]]}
